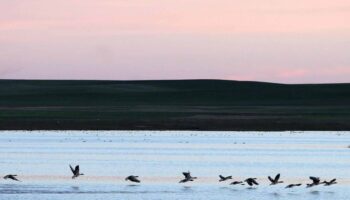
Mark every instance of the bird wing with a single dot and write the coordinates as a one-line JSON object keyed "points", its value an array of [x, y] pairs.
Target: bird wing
{"points": [[254, 181], [71, 168], [277, 177], [77, 169], [134, 179], [183, 181], [221, 177], [187, 174], [332, 181], [271, 179], [314, 179]]}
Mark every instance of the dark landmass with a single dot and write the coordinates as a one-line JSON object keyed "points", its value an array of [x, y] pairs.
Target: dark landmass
{"points": [[172, 105]]}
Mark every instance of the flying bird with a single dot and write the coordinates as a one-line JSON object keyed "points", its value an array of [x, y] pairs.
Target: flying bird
{"points": [[315, 181], [11, 176], [187, 178], [275, 180], [251, 181], [293, 185], [331, 182], [76, 171], [133, 178], [223, 178], [237, 182]]}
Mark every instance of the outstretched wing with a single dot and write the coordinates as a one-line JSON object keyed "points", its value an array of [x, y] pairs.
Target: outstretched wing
{"points": [[254, 181], [134, 179], [187, 174], [221, 177], [277, 177], [71, 168], [332, 181], [314, 179], [271, 179], [77, 169]]}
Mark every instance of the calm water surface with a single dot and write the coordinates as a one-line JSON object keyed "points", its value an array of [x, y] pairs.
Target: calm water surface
{"points": [[41, 159]]}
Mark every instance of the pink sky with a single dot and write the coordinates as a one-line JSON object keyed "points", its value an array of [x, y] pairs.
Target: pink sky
{"points": [[288, 41]]}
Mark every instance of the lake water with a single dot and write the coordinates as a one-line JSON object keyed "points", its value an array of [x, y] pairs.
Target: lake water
{"points": [[41, 160]]}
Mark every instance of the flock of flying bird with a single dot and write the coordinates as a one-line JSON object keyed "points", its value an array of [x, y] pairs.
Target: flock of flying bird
{"points": [[250, 181]]}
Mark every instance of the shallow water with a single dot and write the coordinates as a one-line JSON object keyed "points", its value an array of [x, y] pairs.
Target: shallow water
{"points": [[41, 159]]}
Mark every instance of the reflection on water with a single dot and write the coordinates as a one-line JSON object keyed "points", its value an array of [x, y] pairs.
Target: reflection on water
{"points": [[41, 159]]}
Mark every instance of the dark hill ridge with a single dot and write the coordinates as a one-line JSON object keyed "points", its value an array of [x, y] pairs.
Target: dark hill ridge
{"points": [[181, 92], [173, 105]]}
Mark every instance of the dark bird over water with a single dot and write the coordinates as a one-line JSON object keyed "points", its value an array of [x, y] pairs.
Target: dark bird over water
{"points": [[275, 180], [187, 178], [223, 178], [331, 182], [11, 176], [315, 181], [237, 182], [76, 171], [293, 185], [133, 178], [251, 181]]}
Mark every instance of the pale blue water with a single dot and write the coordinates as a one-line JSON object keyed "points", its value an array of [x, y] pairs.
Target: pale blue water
{"points": [[41, 161]]}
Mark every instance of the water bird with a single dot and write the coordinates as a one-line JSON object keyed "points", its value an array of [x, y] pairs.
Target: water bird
{"points": [[293, 185], [237, 182], [133, 178], [331, 182], [76, 171], [187, 178], [251, 181], [315, 181], [223, 178], [11, 176], [275, 180]]}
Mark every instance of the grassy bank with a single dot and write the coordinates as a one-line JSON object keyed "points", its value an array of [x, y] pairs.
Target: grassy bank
{"points": [[172, 105]]}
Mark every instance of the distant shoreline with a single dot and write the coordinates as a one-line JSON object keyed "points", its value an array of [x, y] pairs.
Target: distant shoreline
{"points": [[85, 126], [206, 105]]}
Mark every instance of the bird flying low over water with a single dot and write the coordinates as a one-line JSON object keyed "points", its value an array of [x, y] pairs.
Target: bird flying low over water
{"points": [[187, 178], [133, 178], [251, 181], [331, 182], [293, 185], [315, 181], [76, 171], [11, 176], [275, 180], [223, 178], [237, 182]]}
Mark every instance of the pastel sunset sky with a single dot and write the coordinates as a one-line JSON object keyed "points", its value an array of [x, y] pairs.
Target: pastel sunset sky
{"points": [[287, 41]]}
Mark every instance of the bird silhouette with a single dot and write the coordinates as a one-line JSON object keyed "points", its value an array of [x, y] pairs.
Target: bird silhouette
{"points": [[293, 185], [187, 178], [275, 180], [224, 178], [11, 176], [315, 181], [76, 171], [331, 182], [133, 178], [251, 181], [237, 182]]}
